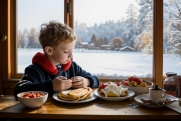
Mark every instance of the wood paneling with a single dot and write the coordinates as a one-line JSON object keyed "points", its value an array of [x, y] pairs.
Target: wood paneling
{"points": [[3, 44], [8, 86]]}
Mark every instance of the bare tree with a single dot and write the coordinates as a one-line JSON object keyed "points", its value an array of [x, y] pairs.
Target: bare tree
{"points": [[145, 43], [99, 42], [78, 42], [116, 43], [20, 39], [173, 28], [32, 37]]}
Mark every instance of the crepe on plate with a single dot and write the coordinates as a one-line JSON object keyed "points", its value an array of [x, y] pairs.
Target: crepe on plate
{"points": [[112, 89], [76, 94]]}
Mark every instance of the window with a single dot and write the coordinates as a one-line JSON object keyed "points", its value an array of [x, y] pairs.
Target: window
{"points": [[172, 37], [30, 16], [114, 38], [117, 34], [157, 74]]}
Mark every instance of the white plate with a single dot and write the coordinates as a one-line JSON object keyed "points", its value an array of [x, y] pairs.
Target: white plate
{"points": [[130, 94], [55, 96], [138, 99]]}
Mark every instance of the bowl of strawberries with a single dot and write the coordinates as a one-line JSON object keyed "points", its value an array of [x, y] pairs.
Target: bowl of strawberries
{"points": [[137, 85], [32, 99]]}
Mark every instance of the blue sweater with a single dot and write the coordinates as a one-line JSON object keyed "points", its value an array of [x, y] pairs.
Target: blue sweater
{"points": [[37, 79]]}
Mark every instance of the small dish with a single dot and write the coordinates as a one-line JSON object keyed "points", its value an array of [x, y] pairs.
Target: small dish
{"points": [[153, 105], [139, 90], [31, 101], [130, 94]]}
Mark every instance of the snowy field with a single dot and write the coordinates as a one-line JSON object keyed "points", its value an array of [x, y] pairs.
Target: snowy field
{"points": [[108, 63]]}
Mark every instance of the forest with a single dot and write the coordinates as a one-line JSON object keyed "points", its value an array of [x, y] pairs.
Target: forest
{"points": [[136, 30]]}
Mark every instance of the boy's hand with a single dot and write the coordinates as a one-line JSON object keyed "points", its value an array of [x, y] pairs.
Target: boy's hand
{"points": [[61, 83], [79, 82]]}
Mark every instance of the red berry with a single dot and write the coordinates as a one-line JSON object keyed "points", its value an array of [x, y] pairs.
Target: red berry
{"points": [[118, 83], [126, 82], [102, 86], [134, 78]]}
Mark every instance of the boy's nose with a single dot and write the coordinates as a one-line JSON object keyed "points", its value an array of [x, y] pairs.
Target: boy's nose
{"points": [[71, 55]]}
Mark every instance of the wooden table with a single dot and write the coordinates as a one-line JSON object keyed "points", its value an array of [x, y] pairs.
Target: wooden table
{"points": [[94, 110]]}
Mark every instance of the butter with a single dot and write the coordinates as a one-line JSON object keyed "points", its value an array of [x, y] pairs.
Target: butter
{"points": [[65, 92]]}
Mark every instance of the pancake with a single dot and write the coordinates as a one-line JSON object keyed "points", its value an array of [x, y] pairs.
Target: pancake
{"points": [[87, 95], [76, 94], [64, 95]]}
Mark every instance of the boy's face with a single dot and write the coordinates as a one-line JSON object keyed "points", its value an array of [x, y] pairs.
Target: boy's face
{"points": [[62, 54]]}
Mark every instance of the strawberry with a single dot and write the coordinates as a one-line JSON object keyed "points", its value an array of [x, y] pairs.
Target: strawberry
{"points": [[137, 80], [102, 86], [131, 78], [118, 83], [126, 82], [134, 78]]}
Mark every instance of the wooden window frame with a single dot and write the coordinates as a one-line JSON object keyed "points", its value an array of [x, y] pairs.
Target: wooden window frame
{"points": [[8, 61]]}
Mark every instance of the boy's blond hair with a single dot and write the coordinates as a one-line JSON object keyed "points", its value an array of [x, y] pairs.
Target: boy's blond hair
{"points": [[54, 33]]}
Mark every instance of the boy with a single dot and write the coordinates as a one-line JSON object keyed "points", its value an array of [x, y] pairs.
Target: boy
{"points": [[54, 70]]}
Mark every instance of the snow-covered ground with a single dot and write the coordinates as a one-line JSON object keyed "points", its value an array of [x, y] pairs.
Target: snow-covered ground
{"points": [[108, 63]]}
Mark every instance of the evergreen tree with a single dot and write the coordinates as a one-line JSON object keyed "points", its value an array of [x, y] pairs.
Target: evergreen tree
{"points": [[130, 29], [93, 40], [145, 27]]}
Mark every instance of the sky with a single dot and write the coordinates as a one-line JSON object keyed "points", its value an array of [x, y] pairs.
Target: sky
{"points": [[101, 11], [32, 13]]}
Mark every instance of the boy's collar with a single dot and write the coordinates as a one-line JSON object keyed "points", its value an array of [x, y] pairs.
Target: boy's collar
{"points": [[40, 59]]}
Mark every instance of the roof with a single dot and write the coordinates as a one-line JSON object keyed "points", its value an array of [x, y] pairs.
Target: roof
{"points": [[84, 43], [125, 47]]}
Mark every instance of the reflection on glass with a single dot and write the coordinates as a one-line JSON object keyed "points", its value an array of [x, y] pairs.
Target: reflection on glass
{"points": [[172, 37]]}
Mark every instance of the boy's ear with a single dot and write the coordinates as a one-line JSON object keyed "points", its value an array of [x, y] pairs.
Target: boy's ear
{"points": [[48, 50]]}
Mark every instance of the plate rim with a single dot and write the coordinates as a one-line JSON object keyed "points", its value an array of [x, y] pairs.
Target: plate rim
{"points": [[114, 98], [152, 106], [55, 97]]}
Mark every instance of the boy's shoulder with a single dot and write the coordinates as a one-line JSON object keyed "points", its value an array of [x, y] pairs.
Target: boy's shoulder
{"points": [[33, 66]]}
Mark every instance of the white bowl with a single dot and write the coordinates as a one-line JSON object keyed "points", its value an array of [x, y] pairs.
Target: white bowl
{"points": [[32, 102], [139, 90]]}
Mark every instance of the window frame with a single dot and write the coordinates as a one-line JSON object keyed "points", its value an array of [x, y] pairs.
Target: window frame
{"points": [[9, 62]]}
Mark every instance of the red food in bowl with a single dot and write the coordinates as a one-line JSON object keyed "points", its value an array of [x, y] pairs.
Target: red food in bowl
{"points": [[32, 95], [134, 78], [32, 99]]}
